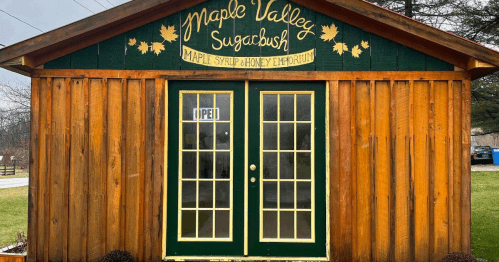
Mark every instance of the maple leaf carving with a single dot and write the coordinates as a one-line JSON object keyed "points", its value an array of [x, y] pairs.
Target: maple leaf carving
{"points": [[168, 34], [132, 42], [340, 48], [356, 51], [144, 47], [365, 44], [329, 32], [157, 48]]}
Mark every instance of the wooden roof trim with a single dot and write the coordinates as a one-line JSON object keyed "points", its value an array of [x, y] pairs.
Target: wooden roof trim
{"points": [[83, 28], [420, 29]]}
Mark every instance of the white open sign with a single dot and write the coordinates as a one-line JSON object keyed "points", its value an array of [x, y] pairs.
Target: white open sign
{"points": [[207, 114]]}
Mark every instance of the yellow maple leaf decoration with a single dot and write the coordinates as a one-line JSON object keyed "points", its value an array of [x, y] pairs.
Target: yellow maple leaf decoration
{"points": [[356, 51], [168, 34], [329, 32], [340, 48], [144, 47], [132, 42], [157, 48], [365, 44]]}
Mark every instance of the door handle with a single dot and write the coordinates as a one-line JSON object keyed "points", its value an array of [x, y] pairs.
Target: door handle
{"points": [[252, 167]]}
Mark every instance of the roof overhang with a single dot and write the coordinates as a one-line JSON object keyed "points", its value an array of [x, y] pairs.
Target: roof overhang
{"points": [[467, 55]]}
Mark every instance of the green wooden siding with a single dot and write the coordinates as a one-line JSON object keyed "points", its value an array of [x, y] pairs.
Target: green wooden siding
{"points": [[118, 53]]}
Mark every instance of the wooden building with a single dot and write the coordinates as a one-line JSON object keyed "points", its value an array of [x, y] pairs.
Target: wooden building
{"points": [[330, 130]]}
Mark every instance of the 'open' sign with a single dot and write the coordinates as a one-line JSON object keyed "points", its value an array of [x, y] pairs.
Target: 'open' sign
{"points": [[206, 114]]}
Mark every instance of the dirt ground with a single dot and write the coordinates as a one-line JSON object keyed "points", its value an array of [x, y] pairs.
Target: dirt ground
{"points": [[484, 167]]}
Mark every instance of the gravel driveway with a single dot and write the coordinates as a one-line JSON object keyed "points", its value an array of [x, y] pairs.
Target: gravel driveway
{"points": [[488, 167]]}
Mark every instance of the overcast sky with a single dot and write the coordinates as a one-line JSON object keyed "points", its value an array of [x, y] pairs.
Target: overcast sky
{"points": [[45, 15]]}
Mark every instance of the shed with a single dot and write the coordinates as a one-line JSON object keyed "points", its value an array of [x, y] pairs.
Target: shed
{"points": [[328, 130]]}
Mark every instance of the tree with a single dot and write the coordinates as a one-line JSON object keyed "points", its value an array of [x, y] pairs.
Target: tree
{"points": [[15, 120]]}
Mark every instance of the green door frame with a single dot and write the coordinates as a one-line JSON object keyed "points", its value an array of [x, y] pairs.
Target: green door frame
{"points": [[237, 247]]}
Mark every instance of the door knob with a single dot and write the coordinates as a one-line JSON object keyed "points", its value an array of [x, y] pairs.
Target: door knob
{"points": [[252, 167]]}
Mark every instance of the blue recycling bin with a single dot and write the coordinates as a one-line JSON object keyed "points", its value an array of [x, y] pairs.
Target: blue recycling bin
{"points": [[495, 155]]}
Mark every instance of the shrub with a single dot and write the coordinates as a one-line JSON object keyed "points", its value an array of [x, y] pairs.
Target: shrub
{"points": [[118, 256], [458, 257]]}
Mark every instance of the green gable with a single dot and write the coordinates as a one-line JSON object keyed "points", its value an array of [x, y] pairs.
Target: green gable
{"points": [[249, 35]]}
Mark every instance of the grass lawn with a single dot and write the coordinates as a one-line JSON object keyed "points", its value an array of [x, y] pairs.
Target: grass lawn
{"points": [[13, 213], [485, 215], [19, 174]]}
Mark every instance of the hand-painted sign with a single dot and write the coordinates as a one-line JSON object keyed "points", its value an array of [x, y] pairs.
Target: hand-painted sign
{"points": [[271, 12]]}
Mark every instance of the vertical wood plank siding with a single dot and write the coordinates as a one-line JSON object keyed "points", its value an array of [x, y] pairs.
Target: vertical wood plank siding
{"points": [[400, 174]]}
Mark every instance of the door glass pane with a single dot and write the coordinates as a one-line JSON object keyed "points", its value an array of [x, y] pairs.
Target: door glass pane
{"points": [[286, 155], [190, 102], [303, 166], [270, 107], [270, 136], [205, 194], [206, 136], [269, 195], [205, 178], [287, 228], [222, 223], [287, 139], [223, 165], [223, 107], [189, 136], [188, 224], [269, 224], [205, 224], [189, 165], [303, 108], [304, 225], [270, 165], [287, 164], [287, 193], [205, 165], [223, 136], [287, 107]]}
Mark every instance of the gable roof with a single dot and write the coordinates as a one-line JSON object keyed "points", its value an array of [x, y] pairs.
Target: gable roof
{"points": [[479, 60]]}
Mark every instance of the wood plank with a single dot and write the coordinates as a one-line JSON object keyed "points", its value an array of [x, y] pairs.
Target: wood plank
{"points": [[421, 169], [382, 171], [97, 171], [150, 117], [124, 113], [33, 170], [431, 154], [58, 164], [402, 170], [441, 172], [77, 170], [67, 148], [158, 169], [466, 168], [252, 75], [450, 148], [142, 161], [458, 163], [48, 167], [84, 241], [114, 152], [345, 170], [363, 188], [335, 170], [133, 133], [411, 167]]}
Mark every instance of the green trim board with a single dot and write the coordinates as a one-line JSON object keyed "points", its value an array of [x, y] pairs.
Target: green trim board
{"points": [[249, 35]]}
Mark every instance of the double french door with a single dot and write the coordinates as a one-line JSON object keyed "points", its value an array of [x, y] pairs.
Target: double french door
{"points": [[246, 169]]}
